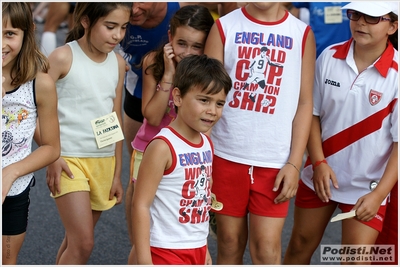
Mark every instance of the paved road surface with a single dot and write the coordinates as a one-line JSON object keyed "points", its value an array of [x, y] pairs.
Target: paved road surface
{"points": [[45, 230]]}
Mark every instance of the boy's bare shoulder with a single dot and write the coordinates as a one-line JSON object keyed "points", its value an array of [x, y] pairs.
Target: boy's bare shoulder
{"points": [[158, 145]]}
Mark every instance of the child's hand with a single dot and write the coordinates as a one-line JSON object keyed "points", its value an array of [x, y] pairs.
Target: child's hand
{"points": [[322, 176], [290, 178], [169, 62], [367, 206], [116, 190], [7, 180], [53, 175]]}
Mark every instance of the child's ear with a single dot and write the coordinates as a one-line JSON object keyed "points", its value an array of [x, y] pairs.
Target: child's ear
{"points": [[176, 96], [393, 28], [85, 22], [169, 36]]}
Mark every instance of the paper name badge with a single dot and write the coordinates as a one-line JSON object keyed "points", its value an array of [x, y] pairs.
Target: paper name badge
{"points": [[333, 15], [342, 216], [107, 130]]}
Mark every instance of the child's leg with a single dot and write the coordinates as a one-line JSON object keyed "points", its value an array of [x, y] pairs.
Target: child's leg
{"points": [[78, 220], [355, 232], [265, 239], [128, 215], [232, 239], [133, 171], [266, 218], [131, 127], [136, 159], [61, 249], [311, 217], [14, 224], [96, 217], [11, 245], [308, 229], [231, 183], [128, 207]]}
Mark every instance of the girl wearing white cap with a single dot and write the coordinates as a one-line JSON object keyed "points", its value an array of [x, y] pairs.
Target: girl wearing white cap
{"points": [[352, 147]]}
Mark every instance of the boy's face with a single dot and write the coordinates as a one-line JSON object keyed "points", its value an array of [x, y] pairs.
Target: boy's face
{"points": [[198, 110]]}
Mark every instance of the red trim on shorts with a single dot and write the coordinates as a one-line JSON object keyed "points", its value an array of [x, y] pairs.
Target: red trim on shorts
{"points": [[306, 198], [164, 256]]}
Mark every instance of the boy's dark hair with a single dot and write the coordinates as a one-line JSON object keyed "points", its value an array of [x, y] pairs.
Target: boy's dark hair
{"points": [[201, 71]]}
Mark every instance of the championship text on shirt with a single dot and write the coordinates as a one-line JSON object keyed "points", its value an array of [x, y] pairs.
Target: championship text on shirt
{"points": [[277, 45]]}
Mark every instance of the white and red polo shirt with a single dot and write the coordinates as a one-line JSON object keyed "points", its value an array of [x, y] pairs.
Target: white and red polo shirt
{"points": [[359, 118]]}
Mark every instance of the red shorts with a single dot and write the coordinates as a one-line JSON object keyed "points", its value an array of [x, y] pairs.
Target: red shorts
{"points": [[163, 256], [307, 199], [244, 188]]}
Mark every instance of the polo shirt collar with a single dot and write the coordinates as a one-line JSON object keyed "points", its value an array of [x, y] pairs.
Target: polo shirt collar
{"points": [[383, 64]]}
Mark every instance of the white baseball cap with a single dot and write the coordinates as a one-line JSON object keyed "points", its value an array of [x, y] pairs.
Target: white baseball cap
{"points": [[374, 9]]}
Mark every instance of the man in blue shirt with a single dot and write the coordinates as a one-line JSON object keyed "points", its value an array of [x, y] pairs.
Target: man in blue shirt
{"points": [[328, 22]]}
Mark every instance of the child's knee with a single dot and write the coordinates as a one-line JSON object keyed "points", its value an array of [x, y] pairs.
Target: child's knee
{"points": [[302, 244], [85, 247], [230, 244]]}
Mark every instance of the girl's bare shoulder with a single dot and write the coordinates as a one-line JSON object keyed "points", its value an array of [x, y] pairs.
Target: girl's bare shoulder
{"points": [[149, 59], [60, 61], [61, 55], [44, 83], [120, 59], [45, 90]]}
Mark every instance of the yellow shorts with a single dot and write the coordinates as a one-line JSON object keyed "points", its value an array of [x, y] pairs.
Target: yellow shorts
{"points": [[136, 159], [94, 175]]}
